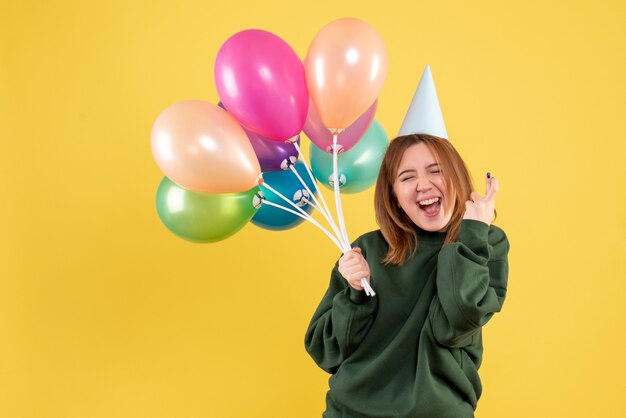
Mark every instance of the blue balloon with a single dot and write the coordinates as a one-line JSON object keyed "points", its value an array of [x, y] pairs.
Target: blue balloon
{"points": [[286, 183]]}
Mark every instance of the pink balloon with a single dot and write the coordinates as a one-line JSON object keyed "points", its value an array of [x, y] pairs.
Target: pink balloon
{"points": [[261, 82], [320, 135]]}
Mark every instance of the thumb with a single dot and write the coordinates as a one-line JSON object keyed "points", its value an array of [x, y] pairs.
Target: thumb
{"points": [[357, 249]]}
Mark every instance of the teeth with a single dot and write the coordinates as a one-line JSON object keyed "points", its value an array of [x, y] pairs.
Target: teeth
{"points": [[429, 201]]}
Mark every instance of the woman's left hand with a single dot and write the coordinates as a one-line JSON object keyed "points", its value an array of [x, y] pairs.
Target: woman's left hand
{"points": [[481, 208]]}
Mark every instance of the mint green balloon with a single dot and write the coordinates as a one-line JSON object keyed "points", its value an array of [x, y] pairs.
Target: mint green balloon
{"points": [[201, 217], [358, 167]]}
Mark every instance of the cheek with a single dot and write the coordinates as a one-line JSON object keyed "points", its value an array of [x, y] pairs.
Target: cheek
{"points": [[441, 185], [405, 196]]}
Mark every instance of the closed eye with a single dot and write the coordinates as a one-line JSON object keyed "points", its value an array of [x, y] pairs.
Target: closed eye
{"points": [[406, 178]]}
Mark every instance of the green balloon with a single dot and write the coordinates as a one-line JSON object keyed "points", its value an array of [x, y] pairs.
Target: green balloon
{"points": [[357, 167], [203, 217]]}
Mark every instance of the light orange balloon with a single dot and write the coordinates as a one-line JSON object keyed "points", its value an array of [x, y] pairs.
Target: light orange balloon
{"points": [[345, 68], [202, 148]]}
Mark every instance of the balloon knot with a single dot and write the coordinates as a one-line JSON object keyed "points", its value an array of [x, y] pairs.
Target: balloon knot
{"points": [[331, 147], [257, 200], [289, 162]]}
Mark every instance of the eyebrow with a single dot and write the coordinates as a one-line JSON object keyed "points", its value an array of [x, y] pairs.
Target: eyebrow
{"points": [[413, 170]]}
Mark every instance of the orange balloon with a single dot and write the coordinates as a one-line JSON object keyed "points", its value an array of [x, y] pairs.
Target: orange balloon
{"points": [[202, 148], [345, 69]]}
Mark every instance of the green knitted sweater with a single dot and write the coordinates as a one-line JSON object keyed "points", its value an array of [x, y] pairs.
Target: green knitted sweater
{"points": [[414, 349]]}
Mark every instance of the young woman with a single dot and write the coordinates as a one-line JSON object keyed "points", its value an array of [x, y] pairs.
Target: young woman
{"points": [[440, 272]]}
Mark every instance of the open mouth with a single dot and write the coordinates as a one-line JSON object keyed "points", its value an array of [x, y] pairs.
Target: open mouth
{"points": [[430, 207]]}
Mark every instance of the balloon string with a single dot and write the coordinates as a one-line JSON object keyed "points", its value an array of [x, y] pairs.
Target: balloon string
{"points": [[306, 218], [345, 243], [299, 209], [368, 289], [277, 193], [317, 206], [329, 216], [344, 233]]}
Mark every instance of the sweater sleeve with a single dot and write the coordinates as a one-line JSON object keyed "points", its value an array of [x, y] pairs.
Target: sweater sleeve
{"points": [[472, 277], [339, 324]]}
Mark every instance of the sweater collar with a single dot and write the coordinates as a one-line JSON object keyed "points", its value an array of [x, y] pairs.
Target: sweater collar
{"points": [[430, 237]]}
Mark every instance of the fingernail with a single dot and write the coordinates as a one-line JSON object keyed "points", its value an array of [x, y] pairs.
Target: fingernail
{"points": [[488, 174]]}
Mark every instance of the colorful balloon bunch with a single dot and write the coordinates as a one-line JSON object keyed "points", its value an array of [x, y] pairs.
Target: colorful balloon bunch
{"points": [[217, 158]]}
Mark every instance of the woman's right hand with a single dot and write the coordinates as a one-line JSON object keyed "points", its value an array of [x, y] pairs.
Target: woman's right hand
{"points": [[353, 268]]}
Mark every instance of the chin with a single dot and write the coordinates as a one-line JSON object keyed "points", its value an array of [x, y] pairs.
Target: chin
{"points": [[439, 224], [439, 227]]}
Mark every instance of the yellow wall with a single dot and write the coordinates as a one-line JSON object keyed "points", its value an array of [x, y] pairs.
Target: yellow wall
{"points": [[104, 313]]}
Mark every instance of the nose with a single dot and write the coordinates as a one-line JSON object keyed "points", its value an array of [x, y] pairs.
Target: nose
{"points": [[423, 185]]}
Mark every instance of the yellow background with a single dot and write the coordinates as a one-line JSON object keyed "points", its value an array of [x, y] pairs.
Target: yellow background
{"points": [[104, 313]]}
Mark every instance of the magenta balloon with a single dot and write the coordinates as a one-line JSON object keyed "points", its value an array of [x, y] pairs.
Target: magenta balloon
{"points": [[261, 81], [321, 136]]}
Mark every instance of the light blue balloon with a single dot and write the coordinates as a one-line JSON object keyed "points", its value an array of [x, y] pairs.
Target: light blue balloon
{"points": [[286, 183], [358, 167]]}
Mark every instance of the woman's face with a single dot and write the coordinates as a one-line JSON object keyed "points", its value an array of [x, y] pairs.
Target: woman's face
{"points": [[420, 189]]}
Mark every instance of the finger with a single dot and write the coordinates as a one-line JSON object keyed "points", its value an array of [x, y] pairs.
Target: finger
{"points": [[356, 284], [356, 261], [493, 189], [367, 279], [353, 256], [475, 197], [350, 268], [354, 267], [353, 253], [350, 255], [356, 276]]}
